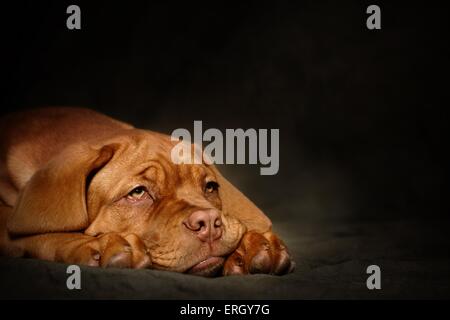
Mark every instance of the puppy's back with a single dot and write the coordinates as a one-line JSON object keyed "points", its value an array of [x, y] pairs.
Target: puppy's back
{"points": [[29, 139]]}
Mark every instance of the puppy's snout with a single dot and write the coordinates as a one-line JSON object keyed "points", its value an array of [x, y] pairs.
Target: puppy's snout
{"points": [[206, 224]]}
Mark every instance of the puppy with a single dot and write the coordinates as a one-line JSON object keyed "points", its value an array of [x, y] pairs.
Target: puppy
{"points": [[81, 188]]}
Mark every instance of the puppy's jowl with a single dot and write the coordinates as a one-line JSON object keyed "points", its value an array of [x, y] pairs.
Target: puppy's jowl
{"points": [[82, 188]]}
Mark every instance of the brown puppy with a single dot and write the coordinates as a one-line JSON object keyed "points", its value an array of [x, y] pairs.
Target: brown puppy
{"points": [[79, 187]]}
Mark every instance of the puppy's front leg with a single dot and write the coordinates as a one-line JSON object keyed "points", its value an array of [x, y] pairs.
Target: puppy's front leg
{"points": [[106, 250], [259, 253]]}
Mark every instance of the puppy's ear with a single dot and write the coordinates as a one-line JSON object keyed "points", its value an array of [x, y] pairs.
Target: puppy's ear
{"points": [[54, 199], [235, 204]]}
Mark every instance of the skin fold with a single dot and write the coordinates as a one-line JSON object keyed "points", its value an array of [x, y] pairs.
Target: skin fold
{"points": [[79, 187]]}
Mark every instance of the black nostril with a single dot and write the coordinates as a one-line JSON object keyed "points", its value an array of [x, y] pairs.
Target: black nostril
{"points": [[197, 226], [217, 222], [201, 224]]}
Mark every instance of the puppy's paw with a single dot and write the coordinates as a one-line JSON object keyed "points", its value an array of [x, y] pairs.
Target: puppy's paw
{"points": [[119, 251], [110, 250], [259, 253]]}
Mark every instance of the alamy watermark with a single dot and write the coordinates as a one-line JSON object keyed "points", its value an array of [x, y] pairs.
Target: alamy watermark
{"points": [[73, 21], [373, 22], [249, 146], [74, 280], [374, 280]]}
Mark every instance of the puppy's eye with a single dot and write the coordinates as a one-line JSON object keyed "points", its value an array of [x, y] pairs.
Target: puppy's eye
{"points": [[137, 193], [211, 187]]}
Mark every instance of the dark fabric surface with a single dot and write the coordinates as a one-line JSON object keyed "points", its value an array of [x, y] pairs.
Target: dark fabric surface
{"points": [[331, 264]]}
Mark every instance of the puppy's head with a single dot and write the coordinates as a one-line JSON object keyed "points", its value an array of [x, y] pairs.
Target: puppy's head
{"points": [[188, 215]]}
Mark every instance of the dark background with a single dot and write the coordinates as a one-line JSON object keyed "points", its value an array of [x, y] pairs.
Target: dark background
{"points": [[363, 114]]}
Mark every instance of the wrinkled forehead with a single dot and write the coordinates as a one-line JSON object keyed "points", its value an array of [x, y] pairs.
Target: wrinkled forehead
{"points": [[150, 154]]}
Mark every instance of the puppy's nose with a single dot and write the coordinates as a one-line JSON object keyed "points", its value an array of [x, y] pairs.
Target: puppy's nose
{"points": [[206, 224]]}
